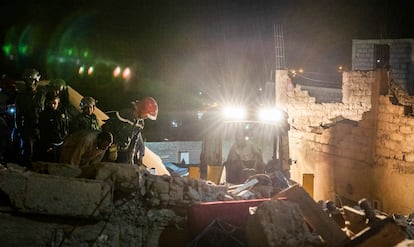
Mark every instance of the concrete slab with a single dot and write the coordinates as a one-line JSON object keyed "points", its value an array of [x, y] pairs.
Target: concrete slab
{"points": [[53, 195]]}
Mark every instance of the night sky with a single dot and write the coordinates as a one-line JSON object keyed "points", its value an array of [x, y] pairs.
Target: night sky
{"points": [[178, 48]]}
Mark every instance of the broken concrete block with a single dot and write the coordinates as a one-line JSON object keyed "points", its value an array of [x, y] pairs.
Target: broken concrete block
{"points": [[127, 177], [176, 195], [278, 223], [161, 184], [21, 231], [13, 184], [52, 195], [58, 169], [314, 215], [193, 194]]}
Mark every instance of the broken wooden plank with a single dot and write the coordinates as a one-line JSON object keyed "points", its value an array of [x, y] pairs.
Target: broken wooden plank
{"points": [[383, 233], [357, 219], [245, 186]]}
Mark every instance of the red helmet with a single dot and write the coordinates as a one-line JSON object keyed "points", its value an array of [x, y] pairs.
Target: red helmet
{"points": [[146, 108]]}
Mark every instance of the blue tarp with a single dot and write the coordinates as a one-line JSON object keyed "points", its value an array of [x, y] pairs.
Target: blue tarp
{"points": [[178, 170]]}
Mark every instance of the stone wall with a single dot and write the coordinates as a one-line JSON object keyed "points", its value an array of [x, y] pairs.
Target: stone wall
{"points": [[394, 171], [355, 149], [401, 59]]}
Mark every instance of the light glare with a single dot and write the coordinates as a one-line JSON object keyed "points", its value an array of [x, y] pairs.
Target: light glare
{"points": [[126, 74], [234, 113], [90, 70], [81, 70], [117, 71], [270, 115]]}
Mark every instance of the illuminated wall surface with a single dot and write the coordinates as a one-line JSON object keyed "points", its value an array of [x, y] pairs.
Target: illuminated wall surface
{"points": [[360, 148]]}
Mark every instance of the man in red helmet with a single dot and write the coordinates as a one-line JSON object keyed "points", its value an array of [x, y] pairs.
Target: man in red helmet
{"points": [[146, 108], [126, 126]]}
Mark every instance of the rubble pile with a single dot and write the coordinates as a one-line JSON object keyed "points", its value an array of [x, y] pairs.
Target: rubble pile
{"points": [[279, 223], [406, 223], [124, 205]]}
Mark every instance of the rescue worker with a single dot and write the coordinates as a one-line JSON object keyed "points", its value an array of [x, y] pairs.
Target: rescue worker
{"points": [[60, 87], [126, 126], [4, 128], [29, 104], [244, 160], [86, 119], [4, 136], [85, 147], [53, 128], [9, 138]]}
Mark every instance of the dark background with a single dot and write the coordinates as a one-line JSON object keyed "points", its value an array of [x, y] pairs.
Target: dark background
{"points": [[187, 53]]}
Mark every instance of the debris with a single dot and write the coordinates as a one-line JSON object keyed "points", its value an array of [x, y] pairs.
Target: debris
{"points": [[235, 212], [335, 214], [279, 223], [129, 197], [383, 233], [369, 212], [314, 215], [246, 195], [220, 233], [406, 223], [244, 186], [357, 219]]}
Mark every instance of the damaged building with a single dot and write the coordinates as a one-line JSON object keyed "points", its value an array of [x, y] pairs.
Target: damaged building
{"points": [[356, 154], [360, 147]]}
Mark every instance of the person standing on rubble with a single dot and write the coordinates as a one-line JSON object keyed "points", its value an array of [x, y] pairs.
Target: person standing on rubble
{"points": [[53, 128], [126, 126], [87, 118], [85, 147], [29, 104]]}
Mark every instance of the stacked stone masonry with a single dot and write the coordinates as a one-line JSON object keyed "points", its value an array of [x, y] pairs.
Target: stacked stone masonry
{"points": [[353, 150], [400, 58], [123, 206]]}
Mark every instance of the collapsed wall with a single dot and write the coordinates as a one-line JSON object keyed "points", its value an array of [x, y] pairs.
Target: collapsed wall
{"points": [[124, 205], [359, 148]]}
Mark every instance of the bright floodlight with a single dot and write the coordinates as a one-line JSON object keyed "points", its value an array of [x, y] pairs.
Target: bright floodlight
{"points": [[117, 71], [126, 74], [270, 115], [90, 70], [81, 70], [234, 113]]}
